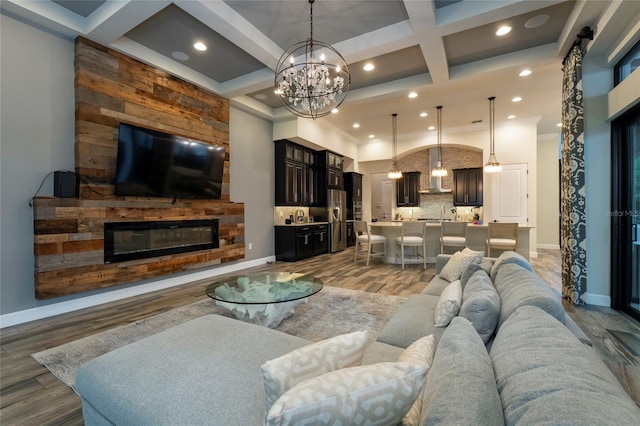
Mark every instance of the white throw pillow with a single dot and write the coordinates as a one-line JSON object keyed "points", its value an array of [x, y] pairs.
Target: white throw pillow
{"points": [[283, 373], [375, 394], [458, 263], [418, 353], [449, 304]]}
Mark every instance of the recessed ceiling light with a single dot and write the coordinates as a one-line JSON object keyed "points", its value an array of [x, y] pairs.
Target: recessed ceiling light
{"points": [[423, 114], [372, 136], [516, 99], [511, 117], [432, 127], [200, 46], [413, 95], [559, 125], [180, 56], [334, 111], [505, 29], [369, 67], [536, 21], [261, 96], [525, 73], [356, 125]]}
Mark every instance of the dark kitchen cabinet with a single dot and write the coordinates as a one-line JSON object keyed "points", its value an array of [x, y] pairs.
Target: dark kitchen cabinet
{"points": [[467, 187], [353, 188], [299, 242], [295, 175], [328, 175], [407, 190]]}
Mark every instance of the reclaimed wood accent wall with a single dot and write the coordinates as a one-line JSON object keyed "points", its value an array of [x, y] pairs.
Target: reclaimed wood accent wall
{"points": [[69, 233]]}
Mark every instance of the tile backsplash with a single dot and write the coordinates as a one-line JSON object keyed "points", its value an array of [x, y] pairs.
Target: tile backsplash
{"points": [[281, 214]]}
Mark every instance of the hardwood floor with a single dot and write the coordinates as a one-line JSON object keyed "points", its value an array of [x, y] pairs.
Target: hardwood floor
{"points": [[30, 395]]}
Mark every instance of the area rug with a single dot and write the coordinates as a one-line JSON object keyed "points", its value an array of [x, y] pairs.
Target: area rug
{"points": [[330, 312]]}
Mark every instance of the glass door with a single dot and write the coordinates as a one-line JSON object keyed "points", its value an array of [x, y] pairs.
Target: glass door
{"points": [[625, 214]]}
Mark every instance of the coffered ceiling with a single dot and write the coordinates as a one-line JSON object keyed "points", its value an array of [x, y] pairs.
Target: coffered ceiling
{"points": [[446, 51]]}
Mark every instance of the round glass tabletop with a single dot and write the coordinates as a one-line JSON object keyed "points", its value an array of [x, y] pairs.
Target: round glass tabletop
{"points": [[264, 287]]}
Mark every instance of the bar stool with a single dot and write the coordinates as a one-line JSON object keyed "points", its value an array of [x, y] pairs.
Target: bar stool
{"points": [[453, 234], [502, 236], [414, 234], [364, 236]]}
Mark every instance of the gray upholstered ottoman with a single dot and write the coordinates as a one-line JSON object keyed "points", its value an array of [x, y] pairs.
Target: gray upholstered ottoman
{"points": [[203, 372]]}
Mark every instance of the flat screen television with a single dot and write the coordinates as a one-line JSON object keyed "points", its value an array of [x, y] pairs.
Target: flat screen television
{"points": [[156, 164]]}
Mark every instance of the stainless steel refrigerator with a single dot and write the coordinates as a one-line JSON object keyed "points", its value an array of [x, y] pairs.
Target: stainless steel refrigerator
{"points": [[337, 210]]}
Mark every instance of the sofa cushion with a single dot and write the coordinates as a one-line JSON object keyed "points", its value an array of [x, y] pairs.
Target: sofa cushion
{"points": [[456, 264], [506, 258], [518, 286], [435, 286], [472, 268], [418, 353], [448, 304], [370, 394], [544, 373], [481, 304], [209, 359], [461, 387], [286, 371], [412, 321]]}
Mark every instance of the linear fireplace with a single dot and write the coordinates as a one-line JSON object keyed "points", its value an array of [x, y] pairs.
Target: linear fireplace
{"points": [[140, 240]]}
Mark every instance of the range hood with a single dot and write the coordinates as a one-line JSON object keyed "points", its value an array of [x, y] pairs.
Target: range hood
{"points": [[435, 182]]}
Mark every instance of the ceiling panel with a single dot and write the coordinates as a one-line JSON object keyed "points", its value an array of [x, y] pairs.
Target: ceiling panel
{"points": [[174, 30], [481, 42], [287, 22], [81, 7], [391, 66]]}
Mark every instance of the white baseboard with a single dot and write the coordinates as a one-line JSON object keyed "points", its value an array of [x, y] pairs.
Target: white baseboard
{"points": [[597, 299], [549, 246], [46, 311]]}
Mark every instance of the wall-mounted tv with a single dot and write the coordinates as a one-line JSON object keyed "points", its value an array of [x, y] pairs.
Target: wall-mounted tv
{"points": [[156, 164]]}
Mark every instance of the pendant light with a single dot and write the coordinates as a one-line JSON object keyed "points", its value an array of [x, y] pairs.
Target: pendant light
{"points": [[395, 172], [439, 170], [492, 165]]}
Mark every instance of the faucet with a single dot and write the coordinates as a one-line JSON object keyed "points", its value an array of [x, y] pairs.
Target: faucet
{"points": [[411, 214], [441, 213]]}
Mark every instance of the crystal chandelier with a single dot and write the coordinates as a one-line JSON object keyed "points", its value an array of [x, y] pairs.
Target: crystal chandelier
{"points": [[395, 172], [439, 170], [311, 77], [492, 165]]}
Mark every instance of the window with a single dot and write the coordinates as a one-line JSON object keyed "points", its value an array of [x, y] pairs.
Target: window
{"points": [[627, 65]]}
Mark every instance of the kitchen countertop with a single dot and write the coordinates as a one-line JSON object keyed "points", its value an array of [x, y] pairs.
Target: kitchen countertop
{"points": [[434, 224], [305, 224]]}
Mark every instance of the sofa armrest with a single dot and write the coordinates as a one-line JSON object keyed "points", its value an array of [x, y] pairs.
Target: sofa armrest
{"points": [[441, 260], [577, 331]]}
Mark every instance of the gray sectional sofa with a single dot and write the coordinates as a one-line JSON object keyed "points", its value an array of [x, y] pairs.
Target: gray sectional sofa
{"points": [[535, 366]]}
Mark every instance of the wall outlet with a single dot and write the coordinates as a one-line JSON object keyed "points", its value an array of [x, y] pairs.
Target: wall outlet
{"points": [[250, 246]]}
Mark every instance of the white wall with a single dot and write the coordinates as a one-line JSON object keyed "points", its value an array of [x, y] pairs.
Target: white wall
{"points": [[36, 138], [37, 121], [253, 179], [548, 213]]}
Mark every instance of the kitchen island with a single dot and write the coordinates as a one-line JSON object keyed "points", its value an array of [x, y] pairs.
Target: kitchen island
{"points": [[476, 239]]}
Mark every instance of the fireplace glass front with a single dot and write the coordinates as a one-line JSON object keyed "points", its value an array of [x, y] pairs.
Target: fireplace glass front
{"points": [[140, 240]]}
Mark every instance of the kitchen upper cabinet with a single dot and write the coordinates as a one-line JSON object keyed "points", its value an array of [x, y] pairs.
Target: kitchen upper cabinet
{"points": [[295, 175], [407, 190], [467, 187], [353, 186], [330, 170]]}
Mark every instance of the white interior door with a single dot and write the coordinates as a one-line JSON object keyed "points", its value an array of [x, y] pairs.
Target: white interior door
{"points": [[386, 203], [510, 194]]}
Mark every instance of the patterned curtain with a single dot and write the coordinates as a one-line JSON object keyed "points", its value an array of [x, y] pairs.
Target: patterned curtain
{"points": [[573, 217]]}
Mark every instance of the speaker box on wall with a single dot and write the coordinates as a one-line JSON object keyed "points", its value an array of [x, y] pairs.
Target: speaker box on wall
{"points": [[64, 184]]}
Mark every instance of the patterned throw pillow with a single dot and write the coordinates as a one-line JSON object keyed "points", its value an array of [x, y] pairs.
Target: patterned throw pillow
{"points": [[418, 353], [458, 263], [375, 394], [283, 373], [449, 304]]}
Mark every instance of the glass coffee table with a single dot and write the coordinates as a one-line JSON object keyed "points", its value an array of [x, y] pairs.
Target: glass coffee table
{"points": [[264, 298]]}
